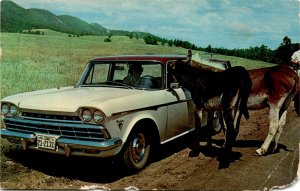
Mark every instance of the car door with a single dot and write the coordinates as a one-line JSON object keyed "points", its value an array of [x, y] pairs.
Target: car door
{"points": [[180, 118]]}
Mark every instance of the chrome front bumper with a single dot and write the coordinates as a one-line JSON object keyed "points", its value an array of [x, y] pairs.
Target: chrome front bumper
{"points": [[65, 146]]}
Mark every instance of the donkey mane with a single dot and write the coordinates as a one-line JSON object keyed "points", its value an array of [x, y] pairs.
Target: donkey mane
{"points": [[198, 79]]}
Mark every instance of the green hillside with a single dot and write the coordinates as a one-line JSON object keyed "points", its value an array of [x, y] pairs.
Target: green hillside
{"points": [[12, 17], [77, 26]]}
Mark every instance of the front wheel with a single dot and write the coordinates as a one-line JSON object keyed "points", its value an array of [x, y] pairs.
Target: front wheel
{"points": [[137, 149]]}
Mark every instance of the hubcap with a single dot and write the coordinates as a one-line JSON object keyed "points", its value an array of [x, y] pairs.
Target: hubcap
{"points": [[216, 123], [138, 148]]}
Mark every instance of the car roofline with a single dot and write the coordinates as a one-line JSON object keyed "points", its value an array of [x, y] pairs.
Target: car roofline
{"points": [[162, 57]]}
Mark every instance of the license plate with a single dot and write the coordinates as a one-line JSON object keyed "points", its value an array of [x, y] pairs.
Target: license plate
{"points": [[46, 142]]}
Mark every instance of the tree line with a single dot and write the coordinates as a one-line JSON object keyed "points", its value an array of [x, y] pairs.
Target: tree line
{"points": [[37, 32], [280, 55]]}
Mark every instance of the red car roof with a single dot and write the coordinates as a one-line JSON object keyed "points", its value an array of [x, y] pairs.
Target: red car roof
{"points": [[161, 58]]}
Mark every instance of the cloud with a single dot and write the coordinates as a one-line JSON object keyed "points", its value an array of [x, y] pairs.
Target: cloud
{"points": [[241, 29], [227, 23]]}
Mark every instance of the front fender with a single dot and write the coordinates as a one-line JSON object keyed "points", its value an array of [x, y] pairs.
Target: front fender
{"points": [[122, 125]]}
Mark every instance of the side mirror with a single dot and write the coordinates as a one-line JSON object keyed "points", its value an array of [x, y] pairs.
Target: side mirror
{"points": [[173, 86]]}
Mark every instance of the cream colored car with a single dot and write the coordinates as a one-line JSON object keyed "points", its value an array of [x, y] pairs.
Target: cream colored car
{"points": [[121, 106]]}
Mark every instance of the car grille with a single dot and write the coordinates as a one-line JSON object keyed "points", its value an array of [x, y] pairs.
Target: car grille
{"points": [[75, 130], [49, 116]]}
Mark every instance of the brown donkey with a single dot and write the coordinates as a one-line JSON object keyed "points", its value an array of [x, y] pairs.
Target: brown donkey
{"points": [[227, 91], [272, 87]]}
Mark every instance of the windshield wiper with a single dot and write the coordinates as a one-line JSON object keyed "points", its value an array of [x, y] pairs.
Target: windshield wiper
{"points": [[119, 84]]}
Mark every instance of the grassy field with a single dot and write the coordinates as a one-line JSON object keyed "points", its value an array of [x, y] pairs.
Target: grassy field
{"points": [[32, 62]]}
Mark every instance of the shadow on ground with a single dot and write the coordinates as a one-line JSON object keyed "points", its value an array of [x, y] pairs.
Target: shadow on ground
{"points": [[86, 169], [98, 170]]}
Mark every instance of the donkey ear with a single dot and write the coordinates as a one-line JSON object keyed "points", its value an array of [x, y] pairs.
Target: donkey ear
{"points": [[189, 55], [173, 64]]}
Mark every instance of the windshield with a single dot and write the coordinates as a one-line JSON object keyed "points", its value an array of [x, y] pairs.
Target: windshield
{"points": [[126, 74]]}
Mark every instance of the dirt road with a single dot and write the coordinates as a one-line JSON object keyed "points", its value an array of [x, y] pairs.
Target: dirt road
{"points": [[174, 169]]}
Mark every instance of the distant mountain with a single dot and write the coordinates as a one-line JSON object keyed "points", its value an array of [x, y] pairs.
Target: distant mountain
{"points": [[15, 18]]}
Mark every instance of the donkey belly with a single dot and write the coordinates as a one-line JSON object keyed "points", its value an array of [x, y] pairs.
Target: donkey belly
{"points": [[258, 101], [213, 103]]}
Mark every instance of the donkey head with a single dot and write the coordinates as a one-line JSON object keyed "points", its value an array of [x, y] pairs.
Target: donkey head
{"points": [[181, 63]]}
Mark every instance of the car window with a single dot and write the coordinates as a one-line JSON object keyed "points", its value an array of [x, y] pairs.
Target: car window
{"points": [[138, 74], [98, 74], [135, 74]]}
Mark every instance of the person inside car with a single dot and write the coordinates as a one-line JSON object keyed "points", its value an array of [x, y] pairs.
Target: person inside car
{"points": [[134, 74]]}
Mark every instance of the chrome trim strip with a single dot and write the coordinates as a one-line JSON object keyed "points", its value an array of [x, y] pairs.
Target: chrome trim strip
{"points": [[80, 144], [48, 112], [54, 120], [154, 107], [11, 135], [175, 137]]}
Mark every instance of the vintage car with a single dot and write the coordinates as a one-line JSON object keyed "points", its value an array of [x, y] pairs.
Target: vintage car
{"points": [[121, 106]]}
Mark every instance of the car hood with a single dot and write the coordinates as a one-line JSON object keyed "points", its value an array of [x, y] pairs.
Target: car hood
{"points": [[69, 99]]}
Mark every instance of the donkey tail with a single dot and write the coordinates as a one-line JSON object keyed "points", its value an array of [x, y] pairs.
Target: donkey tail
{"points": [[245, 93]]}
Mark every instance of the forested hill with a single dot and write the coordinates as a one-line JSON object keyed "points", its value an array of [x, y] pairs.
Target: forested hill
{"points": [[15, 18]]}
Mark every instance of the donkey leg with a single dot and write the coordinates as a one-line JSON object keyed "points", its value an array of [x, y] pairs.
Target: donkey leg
{"points": [[236, 113], [297, 103], [282, 122], [194, 145], [230, 105], [273, 127], [237, 121], [230, 134]]}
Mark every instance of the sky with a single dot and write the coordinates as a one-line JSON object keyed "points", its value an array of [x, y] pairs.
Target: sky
{"points": [[219, 23]]}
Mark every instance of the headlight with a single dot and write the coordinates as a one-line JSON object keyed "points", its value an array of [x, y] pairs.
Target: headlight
{"points": [[98, 116], [4, 109], [13, 110], [91, 115], [87, 115]]}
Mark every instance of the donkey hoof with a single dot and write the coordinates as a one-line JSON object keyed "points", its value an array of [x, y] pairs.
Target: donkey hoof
{"points": [[260, 151]]}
